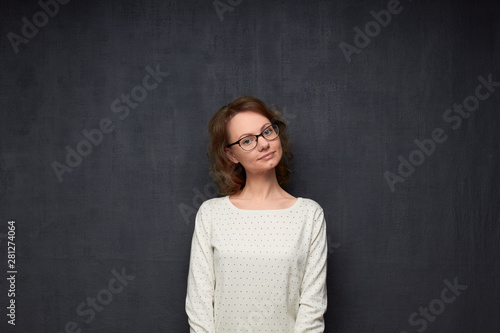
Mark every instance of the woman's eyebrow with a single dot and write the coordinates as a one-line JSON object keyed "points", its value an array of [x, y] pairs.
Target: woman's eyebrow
{"points": [[263, 126]]}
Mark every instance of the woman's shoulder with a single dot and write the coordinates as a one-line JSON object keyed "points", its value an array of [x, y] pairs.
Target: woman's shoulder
{"points": [[310, 203], [313, 211], [213, 202]]}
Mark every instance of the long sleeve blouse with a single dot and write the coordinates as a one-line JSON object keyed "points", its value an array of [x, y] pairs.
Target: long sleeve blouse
{"points": [[257, 270]]}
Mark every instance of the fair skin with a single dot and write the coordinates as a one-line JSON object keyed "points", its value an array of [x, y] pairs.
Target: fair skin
{"points": [[261, 190]]}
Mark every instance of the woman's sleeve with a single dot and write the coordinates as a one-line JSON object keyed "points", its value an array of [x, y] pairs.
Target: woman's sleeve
{"points": [[201, 277], [313, 296]]}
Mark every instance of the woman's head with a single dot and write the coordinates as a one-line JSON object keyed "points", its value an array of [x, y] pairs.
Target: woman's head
{"points": [[244, 116]]}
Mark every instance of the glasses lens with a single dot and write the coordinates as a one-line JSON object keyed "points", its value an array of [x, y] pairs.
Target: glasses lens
{"points": [[271, 132], [248, 142]]}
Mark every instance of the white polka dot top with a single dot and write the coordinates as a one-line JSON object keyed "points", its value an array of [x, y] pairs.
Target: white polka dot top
{"points": [[257, 270]]}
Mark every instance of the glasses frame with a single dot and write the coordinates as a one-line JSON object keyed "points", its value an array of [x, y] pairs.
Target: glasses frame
{"points": [[275, 127]]}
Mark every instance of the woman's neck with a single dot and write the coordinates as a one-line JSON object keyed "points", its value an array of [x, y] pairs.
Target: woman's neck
{"points": [[261, 188]]}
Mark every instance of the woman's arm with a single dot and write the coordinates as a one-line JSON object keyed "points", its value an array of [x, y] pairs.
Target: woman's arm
{"points": [[313, 297], [201, 277]]}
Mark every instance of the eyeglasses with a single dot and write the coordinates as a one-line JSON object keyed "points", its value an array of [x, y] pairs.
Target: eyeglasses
{"points": [[249, 142]]}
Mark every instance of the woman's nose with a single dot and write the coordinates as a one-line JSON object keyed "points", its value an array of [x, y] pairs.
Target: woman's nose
{"points": [[262, 143]]}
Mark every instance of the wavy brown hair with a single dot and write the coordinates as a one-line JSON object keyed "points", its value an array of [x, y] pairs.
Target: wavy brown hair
{"points": [[230, 177]]}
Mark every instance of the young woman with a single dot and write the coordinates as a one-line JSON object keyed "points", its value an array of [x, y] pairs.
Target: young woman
{"points": [[258, 254]]}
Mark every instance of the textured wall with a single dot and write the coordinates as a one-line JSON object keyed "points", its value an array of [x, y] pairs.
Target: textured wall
{"points": [[393, 109]]}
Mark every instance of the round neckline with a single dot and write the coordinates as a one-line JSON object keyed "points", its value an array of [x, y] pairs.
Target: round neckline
{"points": [[263, 210]]}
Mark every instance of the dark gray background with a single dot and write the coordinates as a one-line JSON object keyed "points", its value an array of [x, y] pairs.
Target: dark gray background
{"points": [[122, 207]]}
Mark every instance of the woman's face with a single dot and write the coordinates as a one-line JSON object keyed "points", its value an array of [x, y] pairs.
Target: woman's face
{"points": [[266, 155]]}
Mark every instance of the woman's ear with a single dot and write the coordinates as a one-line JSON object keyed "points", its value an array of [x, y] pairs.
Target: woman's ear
{"points": [[230, 155]]}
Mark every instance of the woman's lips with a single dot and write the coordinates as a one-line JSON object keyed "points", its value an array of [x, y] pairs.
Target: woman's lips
{"points": [[267, 156]]}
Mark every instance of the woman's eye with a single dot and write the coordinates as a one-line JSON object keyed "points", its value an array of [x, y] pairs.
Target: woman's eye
{"points": [[267, 132], [246, 142]]}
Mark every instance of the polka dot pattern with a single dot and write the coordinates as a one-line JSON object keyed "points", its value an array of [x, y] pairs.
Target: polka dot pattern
{"points": [[257, 270]]}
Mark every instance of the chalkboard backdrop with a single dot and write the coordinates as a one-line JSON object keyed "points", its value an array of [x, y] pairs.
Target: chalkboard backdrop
{"points": [[393, 111]]}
